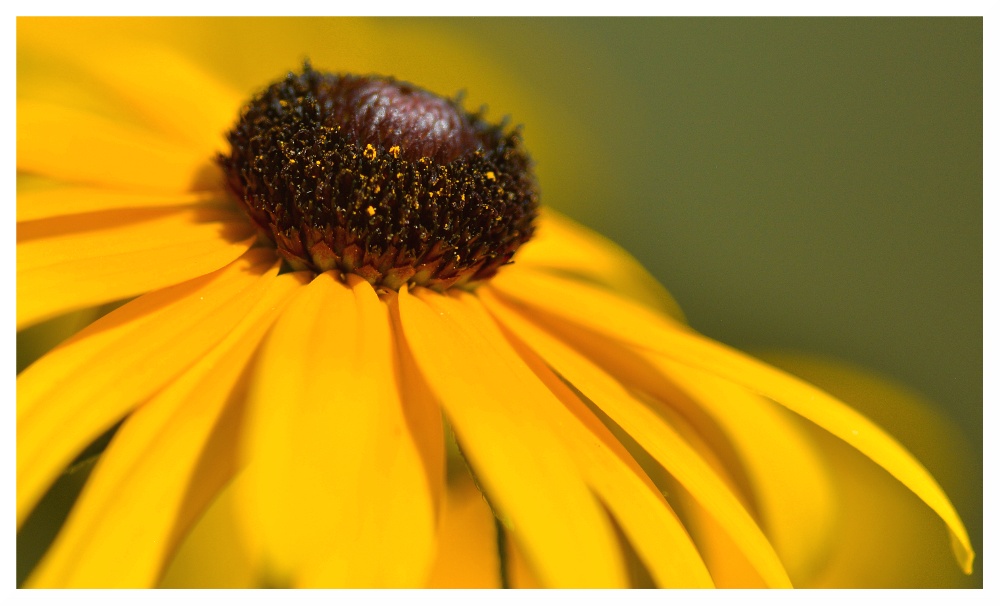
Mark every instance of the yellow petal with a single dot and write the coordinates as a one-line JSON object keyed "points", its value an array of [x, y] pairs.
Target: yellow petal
{"points": [[881, 545], [519, 458], [727, 563], [215, 554], [68, 263], [36, 340], [338, 489], [77, 147], [789, 478], [421, 410], [519, 572], [640, 510], [170, 93], [46, 75], [648, 384], [563, 246], [655, 335], [164, 465], [466, 554], [39, 203], [662, 442], [80, 389], [882, 540]]}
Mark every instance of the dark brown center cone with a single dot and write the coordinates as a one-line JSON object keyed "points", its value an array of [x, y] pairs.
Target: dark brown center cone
{"points": [[380, 178]]}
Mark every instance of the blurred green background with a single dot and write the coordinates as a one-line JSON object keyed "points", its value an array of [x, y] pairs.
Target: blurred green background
{"points": [[807, 184], [813, 184]]}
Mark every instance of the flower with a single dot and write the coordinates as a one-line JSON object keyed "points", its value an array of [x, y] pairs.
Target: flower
{"points": [[301, 412]]}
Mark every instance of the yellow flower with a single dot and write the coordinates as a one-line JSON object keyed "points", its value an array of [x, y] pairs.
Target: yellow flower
{"points": [[289, 425]]}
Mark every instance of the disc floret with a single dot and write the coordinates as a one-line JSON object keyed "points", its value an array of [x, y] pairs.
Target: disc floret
{"points": [[380, 178]]}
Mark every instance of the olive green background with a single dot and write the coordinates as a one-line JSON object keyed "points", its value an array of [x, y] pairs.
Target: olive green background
{"points": [[813, 184], [806, 183]]}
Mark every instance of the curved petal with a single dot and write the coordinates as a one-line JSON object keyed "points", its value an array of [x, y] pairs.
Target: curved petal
{"points": [[43, 203], [46, 75], [163, 466], [73, 394], [338, 491], [656, 336], [563, 246], [522, 463], [640, 510], [728, 564], [648, 383], [881, 538], [215, 553], [155, 85], [69, 263], [790, 480], [77, 147], [519, 572], [466, 556], [662, 442], [38, 339], [881, 546], [170, 93]]}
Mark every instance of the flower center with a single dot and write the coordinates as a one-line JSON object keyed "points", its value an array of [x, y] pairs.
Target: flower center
{"points": [[368, 175]]}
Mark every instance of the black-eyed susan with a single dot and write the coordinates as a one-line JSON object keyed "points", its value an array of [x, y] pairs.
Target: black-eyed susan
{"points": [[333, 372]]}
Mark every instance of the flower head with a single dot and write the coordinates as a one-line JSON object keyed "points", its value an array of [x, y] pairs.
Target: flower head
{"points": [[362, 348]]}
